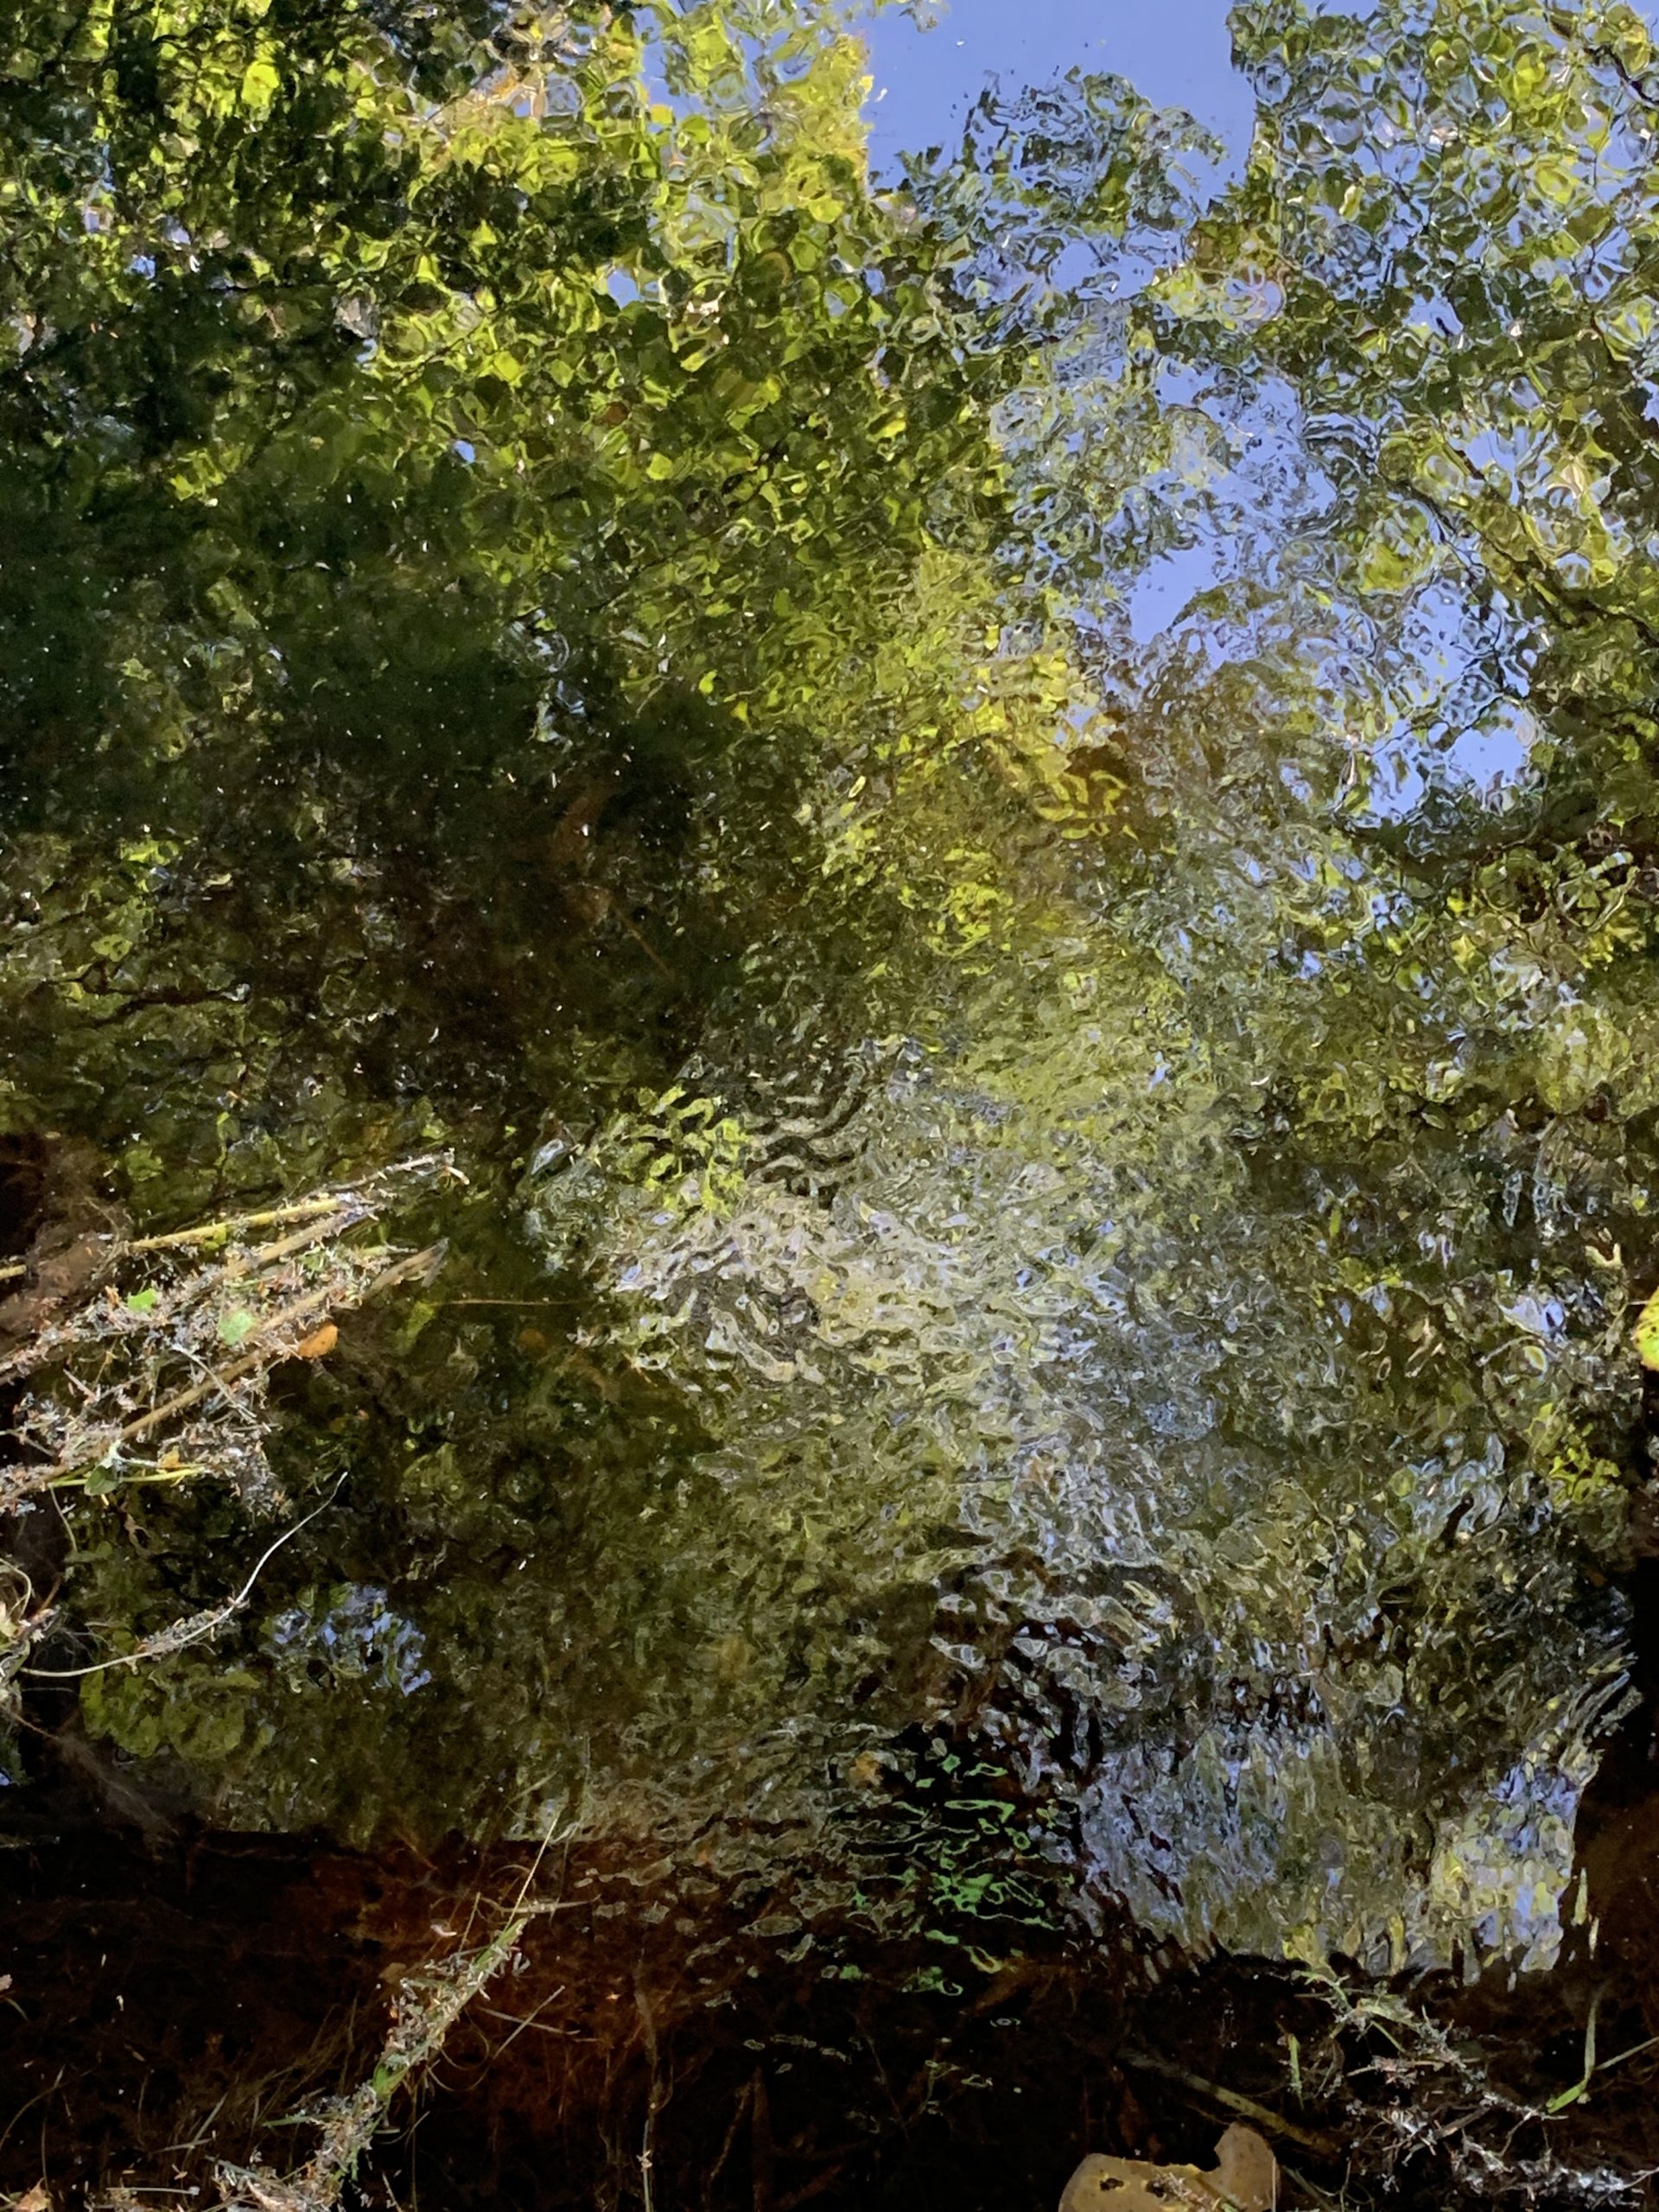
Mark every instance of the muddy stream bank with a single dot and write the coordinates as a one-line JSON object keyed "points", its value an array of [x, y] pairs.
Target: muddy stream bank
{"points": [[173, 2005]]}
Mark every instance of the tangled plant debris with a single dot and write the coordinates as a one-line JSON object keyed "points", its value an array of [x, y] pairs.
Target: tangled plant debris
{"points": [[159, 1374], [428, 2003]]}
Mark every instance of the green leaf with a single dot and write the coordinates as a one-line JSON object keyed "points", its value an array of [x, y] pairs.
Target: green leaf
{"points": [[261, 82]]}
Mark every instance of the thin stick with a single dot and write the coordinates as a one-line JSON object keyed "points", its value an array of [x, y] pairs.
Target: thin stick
{"points": [[428, 2009], [267, 1256], [647, 2154], [302, 1309], [12, 1269], [1326, 2203], [1247, 2108], [222, 1378], [272, 1218], [169, 1478], [657, 961], [323, 1203], [183, 1634]]}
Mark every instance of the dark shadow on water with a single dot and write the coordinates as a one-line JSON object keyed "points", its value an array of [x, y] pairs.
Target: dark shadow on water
{"points": [[177, 2001]]}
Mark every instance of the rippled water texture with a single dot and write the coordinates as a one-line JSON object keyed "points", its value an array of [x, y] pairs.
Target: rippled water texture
{"points": [[1003, 816]]}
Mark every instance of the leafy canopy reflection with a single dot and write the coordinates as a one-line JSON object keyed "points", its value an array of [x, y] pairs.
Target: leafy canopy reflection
{"points": [[1089, 1193]]}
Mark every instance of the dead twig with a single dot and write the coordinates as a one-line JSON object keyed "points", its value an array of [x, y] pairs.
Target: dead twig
{"points": [[305, 1309], [179, 1634], [236, 1225], [1323, 2146]]}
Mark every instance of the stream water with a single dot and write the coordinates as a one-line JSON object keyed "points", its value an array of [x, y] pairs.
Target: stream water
{"points": [[991, 815]]}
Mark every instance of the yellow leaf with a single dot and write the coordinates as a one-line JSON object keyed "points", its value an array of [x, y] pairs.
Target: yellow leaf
{"points": [[1645, 1335], [260, 84]]}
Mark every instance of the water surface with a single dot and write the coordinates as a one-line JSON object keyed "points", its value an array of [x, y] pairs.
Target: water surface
{"points": [[1004, 823]]}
